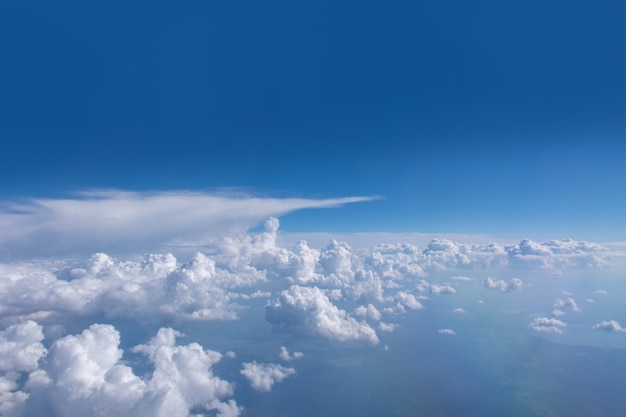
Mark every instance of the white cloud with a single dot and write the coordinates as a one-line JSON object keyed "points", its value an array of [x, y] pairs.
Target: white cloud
{"points": [[503, 286], [132, 222], [84, 375], [570, 303], [284, 354], [21, 347], [406, 300], [610, 326], [386, 327], [441, 289], [370, 312], [309, 311], [446, 331], [462, 278], [458, 310], [547, 325], [262, 376]]}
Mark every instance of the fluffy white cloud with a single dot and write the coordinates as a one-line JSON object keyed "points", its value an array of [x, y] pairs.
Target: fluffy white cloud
{"points": [[284, 354], [84, 375], [503, 286], [370, 312], [309, 311], [263, 376], [610, 326], [405, 300], [569, 303], [121, 222], [21, 347], [441, 289], [20, 351], [547, 325]]}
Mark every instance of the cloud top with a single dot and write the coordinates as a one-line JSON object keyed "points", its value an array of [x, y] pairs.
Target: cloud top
{"points": [[123, 222]]}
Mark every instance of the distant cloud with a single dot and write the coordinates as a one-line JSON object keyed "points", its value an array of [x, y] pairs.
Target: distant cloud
{"points": [[547, 325], [569, 303], [462, 278], [503, 286], [262, 376], [133, 222], [446, 331], [284, 354], [610, 326], [441, 289], [309, 311], [458, 310]]}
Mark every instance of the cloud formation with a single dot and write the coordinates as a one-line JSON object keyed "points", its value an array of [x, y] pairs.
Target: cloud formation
{"points": [[262, 376], [503, 286], [131, 222], [284, 354], [547, 325], [610, 326], [307, 310]]}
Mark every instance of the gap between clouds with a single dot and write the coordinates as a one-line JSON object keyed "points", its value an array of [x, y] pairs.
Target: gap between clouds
{"points": [[122, 222]]}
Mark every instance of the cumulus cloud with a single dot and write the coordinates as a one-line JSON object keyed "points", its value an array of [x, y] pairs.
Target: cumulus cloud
{"points": [[405, 300], [503, 286], [262, 376], [307, 310], [547, 325], [120, 222], [441, 289], [84, 375], [21, 347], [284, 354], [370, 312], [610, 326], [569, 303], [458, 310], [20, 352]]}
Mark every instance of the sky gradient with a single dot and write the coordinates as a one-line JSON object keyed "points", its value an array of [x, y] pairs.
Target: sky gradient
{"points": [[486, 117]]}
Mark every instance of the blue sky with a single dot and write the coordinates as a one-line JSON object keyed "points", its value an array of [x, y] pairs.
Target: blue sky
{"points": [[161, 162], [482, 117]]}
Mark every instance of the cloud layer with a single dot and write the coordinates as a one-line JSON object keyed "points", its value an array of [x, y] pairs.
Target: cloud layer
{"points": [[333, 293], [132, 222]]}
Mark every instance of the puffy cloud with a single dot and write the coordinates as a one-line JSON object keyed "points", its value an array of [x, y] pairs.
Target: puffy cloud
{"points": [[441, 289], [21, 347], [20, 351], [405, 300], [284, 354], [503, 286], [84, 375], [570, 303], [386, 327], [446, 331], [458, 310], [370, 312], [561, 253], [118, 221], [263, 376], [610, 326], [547, 325], [309, 311]]}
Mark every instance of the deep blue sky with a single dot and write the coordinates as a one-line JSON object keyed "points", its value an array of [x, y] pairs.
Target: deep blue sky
{"points": [[493, 117]]}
